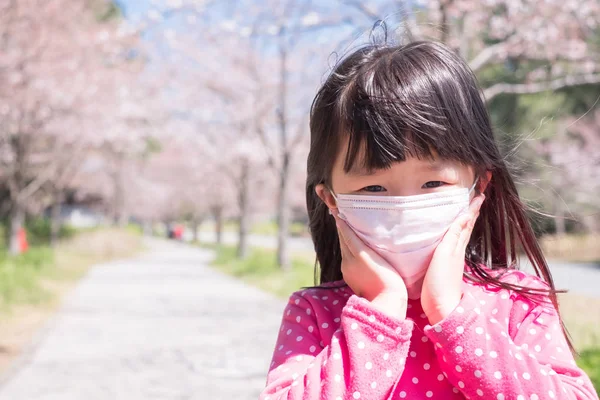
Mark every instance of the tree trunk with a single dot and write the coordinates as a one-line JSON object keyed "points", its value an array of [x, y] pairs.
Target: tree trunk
{"points": [[17, 219], [147, 228], [444, 26], [118, 211], [17, 209], [559, 216], [283, 216], [195, 225], [243, 188], [218, 216], [55, 222], [282, 201], [123, 219], [592, 224]]}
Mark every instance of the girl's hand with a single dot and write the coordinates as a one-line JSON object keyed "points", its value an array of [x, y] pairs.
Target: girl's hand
{"points": [[369, 275], [442, 286]]}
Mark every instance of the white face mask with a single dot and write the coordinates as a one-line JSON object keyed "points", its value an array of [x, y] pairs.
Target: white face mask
{"points": [[404, 230]]}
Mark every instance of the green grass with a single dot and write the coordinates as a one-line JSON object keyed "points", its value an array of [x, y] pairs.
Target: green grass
{"points": [[38, 231], [23, 277], [268, 228], [20, 277], [31, 277], [584, 329], [572, 248], [589, 360], [229, 226], [260, 269]]}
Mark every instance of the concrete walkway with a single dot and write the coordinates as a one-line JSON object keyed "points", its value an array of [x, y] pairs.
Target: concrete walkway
{"points": [[161, 326]]}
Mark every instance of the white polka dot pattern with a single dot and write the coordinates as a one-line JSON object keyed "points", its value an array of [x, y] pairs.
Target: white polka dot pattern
{"points": [[334, 345]]}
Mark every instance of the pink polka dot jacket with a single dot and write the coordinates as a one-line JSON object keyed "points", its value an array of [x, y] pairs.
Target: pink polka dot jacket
{"points": [[496, 344]]}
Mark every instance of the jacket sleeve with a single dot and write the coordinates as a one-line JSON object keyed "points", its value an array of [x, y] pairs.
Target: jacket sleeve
{"points": [[488, 356], [365, 358]]}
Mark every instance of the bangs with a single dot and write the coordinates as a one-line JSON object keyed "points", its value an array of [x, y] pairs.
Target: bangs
{"points": [[409, 103]]}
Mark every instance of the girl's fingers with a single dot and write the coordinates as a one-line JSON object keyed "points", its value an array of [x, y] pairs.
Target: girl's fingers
{"points": [[457, 237], [343, 231], [465, 235], [470, 217], [353, 243], [356, 247], [453, 237], [476, 203]]}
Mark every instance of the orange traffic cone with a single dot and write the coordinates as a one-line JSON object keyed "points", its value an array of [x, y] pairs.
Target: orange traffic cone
{"points": [[22, 238]]}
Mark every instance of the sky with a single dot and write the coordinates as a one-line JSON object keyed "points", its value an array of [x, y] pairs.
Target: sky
{"points": [[138, 10], [133, 8]]}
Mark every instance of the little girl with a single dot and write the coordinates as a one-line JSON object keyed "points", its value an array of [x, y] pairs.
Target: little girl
{"points": [[417, 226]]}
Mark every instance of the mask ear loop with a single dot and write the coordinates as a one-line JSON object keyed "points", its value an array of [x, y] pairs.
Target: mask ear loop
{"points": [[472, 189], [334, 197]]}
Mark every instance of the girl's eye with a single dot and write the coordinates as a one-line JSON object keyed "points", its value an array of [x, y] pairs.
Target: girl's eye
{"points": [[373, 189], [432, 185]]}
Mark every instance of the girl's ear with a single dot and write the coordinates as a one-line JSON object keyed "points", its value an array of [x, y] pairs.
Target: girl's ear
{"points": [[325, 194], [484, 181]]}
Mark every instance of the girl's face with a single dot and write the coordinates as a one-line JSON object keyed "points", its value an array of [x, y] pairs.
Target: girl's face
{"points": [[407, 178]]}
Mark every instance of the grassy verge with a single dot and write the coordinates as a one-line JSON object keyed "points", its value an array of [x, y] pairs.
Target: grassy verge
{"points": [[259, 228], [589, 360], [572, 248], [20, 277], [28, 278], [32, 284], [584, 328], [260, 269], [270, 228]]}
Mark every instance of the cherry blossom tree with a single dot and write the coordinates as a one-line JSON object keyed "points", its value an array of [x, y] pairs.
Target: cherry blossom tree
{"points": [[282, 104], [46, 51], [228, 121], [571, 170], [544, 45], [70, 77]]}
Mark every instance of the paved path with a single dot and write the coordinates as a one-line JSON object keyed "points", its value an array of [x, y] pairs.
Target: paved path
{"points": [[161, 326], [578, 278]]}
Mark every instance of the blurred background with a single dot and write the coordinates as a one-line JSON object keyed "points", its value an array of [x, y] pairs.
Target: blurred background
{"points": [[188, 120]]}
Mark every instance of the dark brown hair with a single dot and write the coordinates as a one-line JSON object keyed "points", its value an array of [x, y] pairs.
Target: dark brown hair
{"points": [[418, 99]]}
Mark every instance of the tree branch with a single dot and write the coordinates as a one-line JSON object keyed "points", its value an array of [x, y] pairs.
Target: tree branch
{"points": [[493, 52], [263, 138], [486, 56], [299, 135], [35, 185], [537, 87]]}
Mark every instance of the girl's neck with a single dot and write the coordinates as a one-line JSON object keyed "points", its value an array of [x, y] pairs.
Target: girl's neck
{"points": [[414, 291]]}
